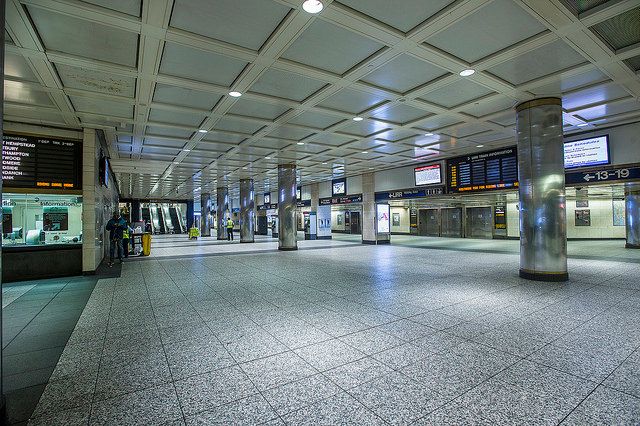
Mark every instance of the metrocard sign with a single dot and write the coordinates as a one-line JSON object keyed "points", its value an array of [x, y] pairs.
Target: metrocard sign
{"points": [[605, 174]]}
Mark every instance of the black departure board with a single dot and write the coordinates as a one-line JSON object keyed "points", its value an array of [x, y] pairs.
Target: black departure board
{"points": [[38, 162], [483, 172]]}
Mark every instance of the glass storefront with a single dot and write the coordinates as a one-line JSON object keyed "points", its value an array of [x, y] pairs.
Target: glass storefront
{"points": [[41, 219]]}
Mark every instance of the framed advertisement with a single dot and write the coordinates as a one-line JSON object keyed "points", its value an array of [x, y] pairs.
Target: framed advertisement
{"points": [[583, 218], [618, 212], [382, 219], [395, 219]]}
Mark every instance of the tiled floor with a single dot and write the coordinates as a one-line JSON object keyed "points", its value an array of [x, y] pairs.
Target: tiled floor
{"points": [[38, 318], [353, 335]]}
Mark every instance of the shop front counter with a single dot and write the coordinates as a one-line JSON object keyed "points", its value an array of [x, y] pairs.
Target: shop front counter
{"points": [[30, 262]]}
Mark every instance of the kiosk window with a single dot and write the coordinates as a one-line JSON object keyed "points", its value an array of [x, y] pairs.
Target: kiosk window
{"points": [[38, 219]]}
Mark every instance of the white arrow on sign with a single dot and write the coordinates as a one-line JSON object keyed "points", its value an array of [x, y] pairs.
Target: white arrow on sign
{"points": [[588, 177]]}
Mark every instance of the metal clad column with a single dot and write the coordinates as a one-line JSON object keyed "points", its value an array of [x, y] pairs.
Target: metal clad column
{"points": [[543, 223], [287, 233], [190, 214], [368, 209], [205, 214], [222, 211], [3, 405], [632, 216], [247, 211]]}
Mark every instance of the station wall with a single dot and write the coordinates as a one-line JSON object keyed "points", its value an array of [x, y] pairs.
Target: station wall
{"points": [[337, 224], [404, 226]]}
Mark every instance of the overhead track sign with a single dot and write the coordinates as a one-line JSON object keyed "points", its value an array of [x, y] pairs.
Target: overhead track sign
{"points": [[607, 174]]}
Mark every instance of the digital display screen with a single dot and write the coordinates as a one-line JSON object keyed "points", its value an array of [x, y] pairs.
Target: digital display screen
{"points": [[483, 172], [298, 194], [34, 162], [428, 175], [267, 198], [586, 152], [339, 187], [382, 216]]}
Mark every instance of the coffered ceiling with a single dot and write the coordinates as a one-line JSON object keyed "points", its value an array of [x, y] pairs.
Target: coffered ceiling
{"points": [[151, 73]]}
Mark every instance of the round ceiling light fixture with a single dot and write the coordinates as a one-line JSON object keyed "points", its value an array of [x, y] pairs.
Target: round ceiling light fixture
{"points": [[312, 6], [467, 73], [479, 146], [428, 134], [267, 158], [583, 124], [365, 152], [358, 118], [300, 143], [235, 94], [202, 131]]}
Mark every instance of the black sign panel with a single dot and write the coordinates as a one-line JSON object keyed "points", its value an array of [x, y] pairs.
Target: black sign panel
{"points": [[605, 174], [349, 199], [500, 216], [409, 193], [34, 162], [483, 172], [303, 203]]}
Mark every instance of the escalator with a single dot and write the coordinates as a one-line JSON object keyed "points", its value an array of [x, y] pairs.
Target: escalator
{"points": [[175, 220], [146, 217], [162, 229]]}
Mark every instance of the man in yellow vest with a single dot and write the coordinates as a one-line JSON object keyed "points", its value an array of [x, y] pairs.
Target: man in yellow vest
{"points": [[230, 229]]}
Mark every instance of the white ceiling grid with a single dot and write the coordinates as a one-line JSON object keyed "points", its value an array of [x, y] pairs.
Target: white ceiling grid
{"points": [[153, 72]]}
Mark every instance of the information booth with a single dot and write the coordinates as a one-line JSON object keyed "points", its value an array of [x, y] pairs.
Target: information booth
{"points": [[41, 207]]}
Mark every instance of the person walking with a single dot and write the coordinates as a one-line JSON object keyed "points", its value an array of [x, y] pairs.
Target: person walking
{"points": [[115, 226], [230, 229]]}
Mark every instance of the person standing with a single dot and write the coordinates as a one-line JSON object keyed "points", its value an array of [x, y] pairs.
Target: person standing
{"points": [[230, 229], [115, 226]]}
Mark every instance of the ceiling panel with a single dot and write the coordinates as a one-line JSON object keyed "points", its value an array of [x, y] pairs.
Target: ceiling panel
{"points": [[102, 107], [565, 83], [252, 108], [239, 126], [176, 117], [316, 120], [545, 60], [363, 128], [16, 66], [332, 139], [224, 137], [401, 114], [394, 135], [287, 85], [492, 28], [620, 31], [96, 81], [213, 146], [609, 109], [271, 143], [593, 95], [186, 62], [184, 97], [412, 12], [26, 95], [489, 106], [168, 131], [247, 23], [293, 133], [403, 73], [456, 93], [151, 141], [67, 34], [334, 48], [130, 7], [436, 122], [468, 129], [351, 101]]}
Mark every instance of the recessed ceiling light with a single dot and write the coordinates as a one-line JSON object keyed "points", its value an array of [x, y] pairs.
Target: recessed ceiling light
{"points": [[583, 124], [324, 163], [479, 146], [358, 118], [202, 131], [300, 143], [186, 150], [428, 134], [312, 6], [467, 73], [267, 158], [235, 94], [365, 152]]}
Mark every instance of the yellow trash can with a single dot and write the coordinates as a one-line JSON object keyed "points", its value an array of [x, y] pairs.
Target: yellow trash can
{"points": [[146, 244]]}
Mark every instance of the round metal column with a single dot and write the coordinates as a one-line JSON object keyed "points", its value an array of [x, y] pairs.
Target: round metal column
{"points": [[205, 214], [247, 211], [287, 233], [222, 211], [543, 222], [632, 216]]}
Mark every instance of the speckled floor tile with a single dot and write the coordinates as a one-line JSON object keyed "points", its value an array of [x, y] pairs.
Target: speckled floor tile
{"points": [[252, 410], [277, 370], [329, 354], [340, 409], [296, 395]]}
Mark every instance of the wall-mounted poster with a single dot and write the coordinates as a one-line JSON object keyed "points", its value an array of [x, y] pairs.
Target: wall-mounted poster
{"points": [[7, 220], [55, 218], [582, 203], [618, 212], [339, 219], [382, 214], [395, 217], [583, 217]]}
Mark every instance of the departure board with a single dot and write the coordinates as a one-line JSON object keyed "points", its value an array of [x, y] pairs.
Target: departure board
{"points": [[483, 172], [35, 162]]}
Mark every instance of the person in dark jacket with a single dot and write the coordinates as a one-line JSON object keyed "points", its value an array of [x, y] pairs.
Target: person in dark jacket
{"points": [[116, 226]]}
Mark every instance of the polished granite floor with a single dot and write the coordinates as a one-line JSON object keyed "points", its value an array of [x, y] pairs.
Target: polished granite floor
{"points": [[353, 334]]}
